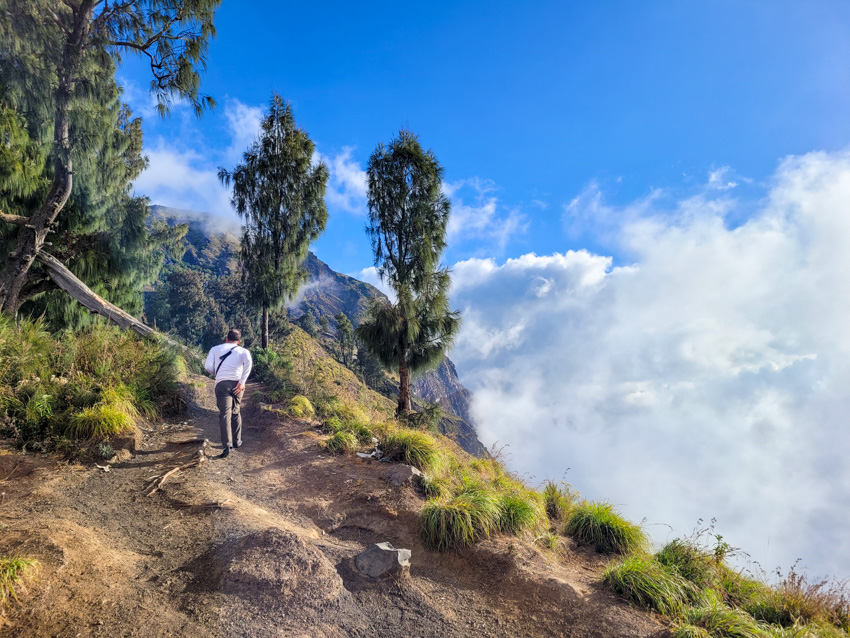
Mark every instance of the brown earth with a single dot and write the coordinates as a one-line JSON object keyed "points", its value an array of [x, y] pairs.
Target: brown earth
{"points": [[262, 544]]}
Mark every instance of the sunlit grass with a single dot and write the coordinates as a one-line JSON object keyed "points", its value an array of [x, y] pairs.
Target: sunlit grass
{"points": [[599, 525]]}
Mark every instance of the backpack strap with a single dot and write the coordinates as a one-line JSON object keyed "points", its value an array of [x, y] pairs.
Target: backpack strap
{"points": [[220, 361]]}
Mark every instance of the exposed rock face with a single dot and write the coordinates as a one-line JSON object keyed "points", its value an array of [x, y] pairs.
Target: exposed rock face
{"points": [[444, 387], [401, 474], [328, 293]]}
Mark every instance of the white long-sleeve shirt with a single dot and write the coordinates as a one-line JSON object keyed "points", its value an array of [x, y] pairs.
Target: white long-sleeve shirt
{"points": [[235, 367]]}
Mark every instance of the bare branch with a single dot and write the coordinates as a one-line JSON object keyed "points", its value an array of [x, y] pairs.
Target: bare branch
{"points": [[17, 220]]}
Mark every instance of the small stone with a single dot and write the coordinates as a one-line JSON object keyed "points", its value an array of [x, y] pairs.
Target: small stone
{"points": [[382, 558], [402, 475]]}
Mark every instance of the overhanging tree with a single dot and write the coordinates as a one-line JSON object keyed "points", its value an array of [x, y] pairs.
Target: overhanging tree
{"points": [[280, 196], [408, 215], [54, 54]]}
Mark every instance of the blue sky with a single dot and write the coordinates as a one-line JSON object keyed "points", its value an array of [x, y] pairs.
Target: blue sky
{"points": [[538, 99], [650, 221]]}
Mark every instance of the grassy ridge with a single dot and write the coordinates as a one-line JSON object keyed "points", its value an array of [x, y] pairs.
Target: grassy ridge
{"points": [[16, 574]]}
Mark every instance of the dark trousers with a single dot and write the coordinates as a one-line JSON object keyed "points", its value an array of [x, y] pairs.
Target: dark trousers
{"points": [[229, 417]]}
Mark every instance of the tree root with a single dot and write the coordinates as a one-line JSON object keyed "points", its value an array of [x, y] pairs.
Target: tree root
{"points": [[156, 482]]}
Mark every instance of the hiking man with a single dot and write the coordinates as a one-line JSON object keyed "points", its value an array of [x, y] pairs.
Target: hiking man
{"points": [[230, 364]]}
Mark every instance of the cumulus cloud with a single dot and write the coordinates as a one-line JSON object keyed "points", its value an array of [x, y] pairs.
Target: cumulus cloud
{"points": [[347, 182], [707, 379], [483, 218], [370, 276], [183, 179]]}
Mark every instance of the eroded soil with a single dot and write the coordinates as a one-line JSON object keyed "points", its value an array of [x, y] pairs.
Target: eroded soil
{"points": [[262, 544]]}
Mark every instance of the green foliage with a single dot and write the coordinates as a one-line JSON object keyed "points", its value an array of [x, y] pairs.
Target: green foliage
{"points": [[279, 195], [690, 561], [410, 446], [519, 511], [408, 215], [453, 523], [435, 486], [300, 407], [721, 621], [99, 421], [644, 582], [16, 574], [599, 525], [85, 384], [341, 442], [559, 499], [344, 339]]}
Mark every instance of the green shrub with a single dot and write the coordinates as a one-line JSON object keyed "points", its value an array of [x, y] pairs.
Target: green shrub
{"points": [[99, 422], [16, 574], [519, 511], [689, 561], [301, 408], [410, 446], [644, 582], [341, 442], [452, 523], [599, 525], [738, 590]]}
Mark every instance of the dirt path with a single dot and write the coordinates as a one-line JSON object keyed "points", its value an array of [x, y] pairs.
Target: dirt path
{"points": [[262, 544]]}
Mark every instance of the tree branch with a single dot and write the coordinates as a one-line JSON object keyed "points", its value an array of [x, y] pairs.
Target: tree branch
{"points": [[17, 220], [58, 22]]}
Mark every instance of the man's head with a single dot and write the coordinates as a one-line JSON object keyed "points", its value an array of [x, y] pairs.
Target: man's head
{"points": [[233, 336]]}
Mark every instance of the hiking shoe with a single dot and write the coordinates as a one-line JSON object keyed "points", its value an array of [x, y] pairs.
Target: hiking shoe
{"points": [[224, 453], [237, 444]]}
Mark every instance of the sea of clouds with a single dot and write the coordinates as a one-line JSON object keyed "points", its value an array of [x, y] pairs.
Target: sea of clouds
{"points": [[709, 378]]}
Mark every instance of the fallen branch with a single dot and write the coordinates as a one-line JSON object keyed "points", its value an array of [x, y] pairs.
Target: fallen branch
{"points": [[67, 281], [156, 482]]}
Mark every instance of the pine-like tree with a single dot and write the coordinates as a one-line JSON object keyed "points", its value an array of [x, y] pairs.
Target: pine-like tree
{"points": [[280, 196], [344, 339], [55, 58], [408, 215]]}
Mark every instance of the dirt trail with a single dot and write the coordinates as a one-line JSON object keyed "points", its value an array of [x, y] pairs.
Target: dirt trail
{"points": [[262, 544]]}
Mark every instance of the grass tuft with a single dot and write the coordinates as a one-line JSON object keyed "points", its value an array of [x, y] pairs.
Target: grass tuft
{"points": [[341, 442], [459, 521], [689, 561], [559, 499], [519, 511], [410, 446], [301, 408], [644, 582], [719, 620], [599, 525], [99, 422], [16, 574]]}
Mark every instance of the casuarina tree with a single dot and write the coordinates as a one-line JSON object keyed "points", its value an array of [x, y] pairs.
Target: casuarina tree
{"points": [[280, 196], [54, 55], [408, 215]]}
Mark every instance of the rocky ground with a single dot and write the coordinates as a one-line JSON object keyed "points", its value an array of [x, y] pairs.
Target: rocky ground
{"points": [[262, 544]]}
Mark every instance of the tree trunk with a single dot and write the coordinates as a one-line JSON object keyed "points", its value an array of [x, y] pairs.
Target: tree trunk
{"points": [[66, 280], [32, 237], [265, 327], [403, 408]]}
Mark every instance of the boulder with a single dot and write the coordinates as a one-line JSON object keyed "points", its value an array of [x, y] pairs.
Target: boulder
{"points": [[382, 558], [403, 475]]}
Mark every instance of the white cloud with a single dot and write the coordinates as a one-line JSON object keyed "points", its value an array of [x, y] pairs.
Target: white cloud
{"points": [[717, 179], [347, 183], [481, 220], [243, 123], [183, 179], [709, 379]]}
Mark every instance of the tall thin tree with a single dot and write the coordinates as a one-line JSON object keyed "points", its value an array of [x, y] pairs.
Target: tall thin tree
{"points": [[408, 215], [280, 196], [52, 51]]}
